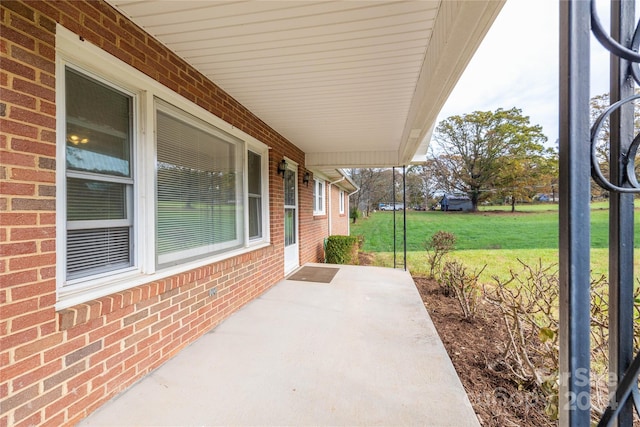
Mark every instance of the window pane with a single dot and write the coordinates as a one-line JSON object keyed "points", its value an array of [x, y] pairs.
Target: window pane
{"points": [[289, 188], [318, 200], [95, 200], [97, 250], [289, 226], [254, 174], [198, 197], [255, 217], [98, 127]]}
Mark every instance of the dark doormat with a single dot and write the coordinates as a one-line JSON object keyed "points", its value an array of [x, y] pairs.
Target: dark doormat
{"points": [[314, 274]]}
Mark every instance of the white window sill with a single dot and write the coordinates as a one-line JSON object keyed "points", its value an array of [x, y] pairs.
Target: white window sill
{"points": [[80, 293]]}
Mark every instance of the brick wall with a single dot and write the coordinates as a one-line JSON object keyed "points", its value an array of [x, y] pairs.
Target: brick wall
{"points": [[339, 221], [310, 225], [58, 366]]}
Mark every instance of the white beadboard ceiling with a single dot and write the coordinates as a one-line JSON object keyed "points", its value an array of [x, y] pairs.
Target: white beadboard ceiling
{"points": [[352, 83]]}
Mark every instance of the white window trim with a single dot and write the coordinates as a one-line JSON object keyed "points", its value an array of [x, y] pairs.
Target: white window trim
{"points": [[319, 183], [341, 201], [96, 63]]}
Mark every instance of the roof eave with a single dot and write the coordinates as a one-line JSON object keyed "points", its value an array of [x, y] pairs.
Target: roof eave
{"points": [[458, 32]]}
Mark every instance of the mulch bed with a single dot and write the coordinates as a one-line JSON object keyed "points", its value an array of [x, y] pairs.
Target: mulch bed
{"points": [[474, 348]]}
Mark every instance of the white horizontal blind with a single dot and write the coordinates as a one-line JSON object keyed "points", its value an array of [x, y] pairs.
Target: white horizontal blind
{"points": [[199, 181], [98, 249], [99, 184]]}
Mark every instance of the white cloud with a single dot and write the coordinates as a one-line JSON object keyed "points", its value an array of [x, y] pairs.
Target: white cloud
{"points": [[517, 65]]}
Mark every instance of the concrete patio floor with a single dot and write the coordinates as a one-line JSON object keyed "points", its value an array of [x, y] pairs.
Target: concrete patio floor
{"points": [[360, 350]]}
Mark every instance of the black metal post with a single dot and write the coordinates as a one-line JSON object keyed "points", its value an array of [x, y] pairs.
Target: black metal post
{"points": [[393, 198], [574, 191], [621, 210], [404, 213]]}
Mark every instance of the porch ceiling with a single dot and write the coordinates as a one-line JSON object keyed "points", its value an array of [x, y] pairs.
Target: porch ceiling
{"points": [[352, 83]]}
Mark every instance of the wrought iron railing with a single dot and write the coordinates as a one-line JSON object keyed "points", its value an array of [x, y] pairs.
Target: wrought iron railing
{"points": [[578, 160]]}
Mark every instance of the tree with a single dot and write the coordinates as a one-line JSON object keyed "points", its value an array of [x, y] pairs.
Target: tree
{"points": [[474, 151], [375, 187], [418, 181], [527, 170]]}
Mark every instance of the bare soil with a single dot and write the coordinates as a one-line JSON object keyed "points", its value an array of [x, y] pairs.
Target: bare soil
{"points": [[474, 348]]}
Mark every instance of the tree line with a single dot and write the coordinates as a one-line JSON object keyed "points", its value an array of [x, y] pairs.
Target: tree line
{"points": [[492, 157], [488, 156]]}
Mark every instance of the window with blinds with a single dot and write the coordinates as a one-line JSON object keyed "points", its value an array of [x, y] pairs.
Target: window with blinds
{"points": [[99, 179], [199, 195], [148, 182]]}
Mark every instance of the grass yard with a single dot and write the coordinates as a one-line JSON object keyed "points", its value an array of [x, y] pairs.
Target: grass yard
{"points": [[492, 236]]}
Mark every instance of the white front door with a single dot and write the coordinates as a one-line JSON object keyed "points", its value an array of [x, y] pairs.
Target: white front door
{"points": [[291, 256]]}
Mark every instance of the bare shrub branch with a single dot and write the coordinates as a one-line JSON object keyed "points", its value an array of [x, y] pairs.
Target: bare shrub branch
{"points": [[528, 302], [464, 286]]}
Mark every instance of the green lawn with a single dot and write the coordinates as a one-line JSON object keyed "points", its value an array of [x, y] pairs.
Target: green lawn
{"points": [[492, 236]]}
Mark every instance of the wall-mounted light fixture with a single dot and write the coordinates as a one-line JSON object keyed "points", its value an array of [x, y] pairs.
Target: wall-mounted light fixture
{"points": [[282, 167], [306, 177]]}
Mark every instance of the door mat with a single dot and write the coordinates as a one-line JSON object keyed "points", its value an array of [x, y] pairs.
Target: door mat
{"points": [[314, 274]]}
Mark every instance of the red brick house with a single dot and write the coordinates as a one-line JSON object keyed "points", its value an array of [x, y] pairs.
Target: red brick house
{"points": [[147, 192]]}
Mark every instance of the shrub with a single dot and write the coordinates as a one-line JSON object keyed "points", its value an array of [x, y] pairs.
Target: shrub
{"points": [[354, 214], [464, 286], [342, 250], [528, 303], [440, 244]]}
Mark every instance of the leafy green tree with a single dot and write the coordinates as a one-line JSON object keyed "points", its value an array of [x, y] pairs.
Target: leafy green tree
{"points": [[474, 152], [527, 170]]}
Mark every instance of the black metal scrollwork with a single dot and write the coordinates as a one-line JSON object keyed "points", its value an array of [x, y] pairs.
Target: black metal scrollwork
{"points": [[609, 43], [627, 160], [627, 387]]}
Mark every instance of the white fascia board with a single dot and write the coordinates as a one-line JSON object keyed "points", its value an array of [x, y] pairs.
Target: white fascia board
{"points": [[458, 32]]}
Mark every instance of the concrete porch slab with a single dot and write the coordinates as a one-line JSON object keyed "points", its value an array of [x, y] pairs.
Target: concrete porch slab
{"points": [[360, 350]]}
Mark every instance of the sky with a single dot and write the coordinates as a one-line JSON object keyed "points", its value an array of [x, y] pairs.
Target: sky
{"points": [[517, 66]]}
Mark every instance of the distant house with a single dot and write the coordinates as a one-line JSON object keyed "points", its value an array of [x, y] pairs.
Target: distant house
{"points": [[456, 202]]}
